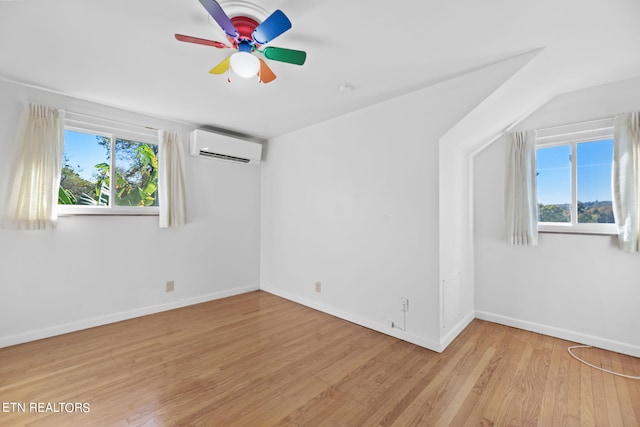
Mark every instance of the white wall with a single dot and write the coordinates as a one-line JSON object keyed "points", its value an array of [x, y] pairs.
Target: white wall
{"points": [[351, 203], [354, 203], [578, 287], [98, 269], [455, 250], [522, 84]]}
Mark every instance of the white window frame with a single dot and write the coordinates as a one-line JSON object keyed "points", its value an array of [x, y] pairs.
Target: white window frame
{"points": [[572, 135], [112, 129]]}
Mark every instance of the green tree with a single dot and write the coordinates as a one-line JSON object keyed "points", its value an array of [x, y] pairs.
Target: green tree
{"points": [[136, 177], [585, 215], [72, 185], [606, 215], [554, 213], [595, 212]]}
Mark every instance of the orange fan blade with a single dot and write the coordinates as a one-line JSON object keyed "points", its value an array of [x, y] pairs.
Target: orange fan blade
{"points": [[265, 74], [221, 68]]}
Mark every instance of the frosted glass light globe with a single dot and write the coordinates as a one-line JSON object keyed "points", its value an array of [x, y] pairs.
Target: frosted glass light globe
{"points": [[245, 64]]}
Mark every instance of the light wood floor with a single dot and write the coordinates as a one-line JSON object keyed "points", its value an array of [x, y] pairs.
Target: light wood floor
{"points": [[258, 360]]}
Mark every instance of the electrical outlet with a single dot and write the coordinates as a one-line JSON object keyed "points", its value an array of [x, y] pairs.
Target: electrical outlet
{"points": [[318, 287], [170, 285], [404, 304]]}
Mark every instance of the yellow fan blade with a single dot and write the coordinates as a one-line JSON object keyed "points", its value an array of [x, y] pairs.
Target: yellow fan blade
{"points": [[265, 74], [221, 68]]}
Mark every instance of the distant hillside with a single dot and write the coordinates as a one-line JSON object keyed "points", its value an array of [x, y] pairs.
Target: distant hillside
{"points": [[588, 212]]}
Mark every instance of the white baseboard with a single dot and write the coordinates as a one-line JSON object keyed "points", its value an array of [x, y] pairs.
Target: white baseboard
{"points": [[456, 330], [604, 343], [578, 337], [367, 323], [118, 317]]}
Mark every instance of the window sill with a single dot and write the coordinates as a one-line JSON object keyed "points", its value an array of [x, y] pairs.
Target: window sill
{"points": [[104, 211], [588, 229]]}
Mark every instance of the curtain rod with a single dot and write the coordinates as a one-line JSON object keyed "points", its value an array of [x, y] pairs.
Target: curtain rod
{"points": [[111, 120], [576, 123], [94, 101]]}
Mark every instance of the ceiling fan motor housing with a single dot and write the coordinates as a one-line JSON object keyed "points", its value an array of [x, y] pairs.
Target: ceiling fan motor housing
{"points": [[245, 27]]}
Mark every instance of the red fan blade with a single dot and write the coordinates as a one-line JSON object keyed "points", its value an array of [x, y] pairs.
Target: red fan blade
{"points": [[265, 74], [205, 42]]}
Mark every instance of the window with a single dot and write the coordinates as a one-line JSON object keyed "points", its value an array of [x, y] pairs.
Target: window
{"points": [[573, 168], [108, 168]]}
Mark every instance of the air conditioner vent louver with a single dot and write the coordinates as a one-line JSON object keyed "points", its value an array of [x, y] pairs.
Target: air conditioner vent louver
{"points": [[223, 147], [224, 157]]}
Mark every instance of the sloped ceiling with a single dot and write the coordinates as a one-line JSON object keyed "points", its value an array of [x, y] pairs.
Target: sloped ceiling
{"points": [[123, 53]]}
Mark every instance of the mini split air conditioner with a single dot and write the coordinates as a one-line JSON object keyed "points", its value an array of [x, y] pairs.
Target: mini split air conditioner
{"points": [[223, 147]]}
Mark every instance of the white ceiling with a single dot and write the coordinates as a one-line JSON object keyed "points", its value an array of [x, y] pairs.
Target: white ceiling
{"points": [[123, 53]]}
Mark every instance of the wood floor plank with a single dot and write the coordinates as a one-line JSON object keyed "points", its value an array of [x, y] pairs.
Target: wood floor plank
{"points": [[554, 400], [463, 392], [259, 360], [574, 396], [627, 393], [600, 407], [432, 400], [489, 387], [513, 352], [614, 414]]}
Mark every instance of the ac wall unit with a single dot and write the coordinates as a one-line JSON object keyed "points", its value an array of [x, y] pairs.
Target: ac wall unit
{"points": [[222, 147]]}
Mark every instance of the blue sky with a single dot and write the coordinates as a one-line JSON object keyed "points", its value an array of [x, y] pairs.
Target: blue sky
{"points": [[83, 150], [553, 165]]}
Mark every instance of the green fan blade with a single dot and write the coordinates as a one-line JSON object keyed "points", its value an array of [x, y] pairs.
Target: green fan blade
{"points": [[285, 55]]}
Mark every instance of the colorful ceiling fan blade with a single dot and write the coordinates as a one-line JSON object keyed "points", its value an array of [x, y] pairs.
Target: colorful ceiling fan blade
{"points": [[276, 24], [216, 12], [222, 67], [265, 74], [196, 40], [289, 56]]}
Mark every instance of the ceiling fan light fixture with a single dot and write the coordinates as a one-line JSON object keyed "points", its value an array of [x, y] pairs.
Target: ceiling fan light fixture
{"points": [[246, 34], [245, 64]]}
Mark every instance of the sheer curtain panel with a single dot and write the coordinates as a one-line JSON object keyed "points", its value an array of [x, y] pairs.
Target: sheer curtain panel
{"points": [[32, 195], [521, 213], [171, 186], [625, 180]]}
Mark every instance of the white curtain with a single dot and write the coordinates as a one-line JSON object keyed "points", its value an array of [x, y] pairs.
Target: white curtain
{"points": [[32, 195], [625, 180], [521, 213], [171, 186]]}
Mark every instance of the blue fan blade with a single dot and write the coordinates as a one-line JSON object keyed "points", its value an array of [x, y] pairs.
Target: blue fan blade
{"points": [[271, 28], [216, 12]]}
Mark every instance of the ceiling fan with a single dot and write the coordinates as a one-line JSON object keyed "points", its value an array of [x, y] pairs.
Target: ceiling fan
{"points": [[248, 36]]}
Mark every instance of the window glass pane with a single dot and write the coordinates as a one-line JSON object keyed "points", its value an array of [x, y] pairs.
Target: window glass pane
{"points": [[84, 174], [136, 173], [594, 181], [553, 169]]}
